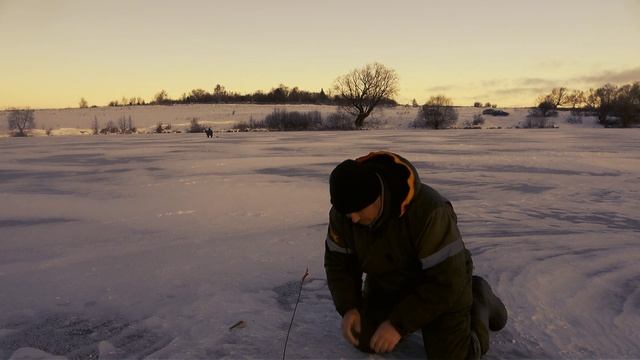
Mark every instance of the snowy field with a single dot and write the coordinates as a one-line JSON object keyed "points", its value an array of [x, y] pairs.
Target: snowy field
{"points": [[153, 246]]}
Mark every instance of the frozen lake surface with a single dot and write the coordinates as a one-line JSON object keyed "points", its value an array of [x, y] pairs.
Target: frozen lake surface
{"points": [[155, 245]]}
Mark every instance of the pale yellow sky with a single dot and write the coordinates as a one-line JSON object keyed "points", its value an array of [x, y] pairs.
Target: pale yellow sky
{"points": [[53, 52]]}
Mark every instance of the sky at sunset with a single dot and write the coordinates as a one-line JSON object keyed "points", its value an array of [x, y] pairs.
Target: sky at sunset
{"points": [[53, 52]]}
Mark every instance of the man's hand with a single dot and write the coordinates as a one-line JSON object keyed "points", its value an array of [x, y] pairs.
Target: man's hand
{"points": [[351, 326], [385, 338]]}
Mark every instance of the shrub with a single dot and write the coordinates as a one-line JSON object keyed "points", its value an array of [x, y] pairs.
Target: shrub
{"points": [[436, 113], [546, 108], [539, 117], [283, 120], [531, 122], [110, 128], [574, 119], [477, 120], [195, 126], [251, 124], [339, 121]]}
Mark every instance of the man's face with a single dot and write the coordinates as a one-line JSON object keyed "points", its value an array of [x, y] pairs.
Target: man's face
{"points": [[367, 215]]}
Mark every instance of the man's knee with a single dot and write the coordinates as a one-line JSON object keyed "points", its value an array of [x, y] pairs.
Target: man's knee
{"points": [[449, 336]]}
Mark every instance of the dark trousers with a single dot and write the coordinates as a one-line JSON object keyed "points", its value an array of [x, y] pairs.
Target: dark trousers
{"points": [[450, 336]]}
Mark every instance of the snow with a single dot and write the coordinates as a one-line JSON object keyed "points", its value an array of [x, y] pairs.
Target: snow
{"points": [[155, 245]]}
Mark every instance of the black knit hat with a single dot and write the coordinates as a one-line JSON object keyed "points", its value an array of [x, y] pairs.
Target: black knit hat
{"points": [[353, 187]]}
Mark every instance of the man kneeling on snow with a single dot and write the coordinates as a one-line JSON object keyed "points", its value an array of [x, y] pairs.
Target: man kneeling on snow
{"points": [[404, 235]]}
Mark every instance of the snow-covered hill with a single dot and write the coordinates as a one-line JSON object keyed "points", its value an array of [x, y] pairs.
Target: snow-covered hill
{"points": [[224, 116]]}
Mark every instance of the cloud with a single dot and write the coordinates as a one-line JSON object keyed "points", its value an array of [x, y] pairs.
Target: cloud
{"points": [[552, 64], [492, 83], [529, 85], [523, 91], [520, 91], [616, 77], [526, 82], [522, 88], [440, 88], [520, 85]]}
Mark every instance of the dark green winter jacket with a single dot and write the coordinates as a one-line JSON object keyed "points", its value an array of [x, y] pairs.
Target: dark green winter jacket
{"points": [[413, 252]]}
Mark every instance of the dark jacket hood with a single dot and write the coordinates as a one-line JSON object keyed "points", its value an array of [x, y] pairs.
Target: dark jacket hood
{"points": [[398, 175]]}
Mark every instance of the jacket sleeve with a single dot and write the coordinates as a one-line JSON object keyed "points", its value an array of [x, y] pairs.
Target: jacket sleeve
{"points": [[344, 276], [445, 275]]}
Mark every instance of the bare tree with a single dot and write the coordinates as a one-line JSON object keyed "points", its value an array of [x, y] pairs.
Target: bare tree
{"points": [[125, 125], [122, 124], [363, 89], [557, 97], [95, 126], [161, 97], [436, 113], [576, 98], [83, 103], [21, 120], [627, 104], [592, 101], [606, 96], [219, 91]]}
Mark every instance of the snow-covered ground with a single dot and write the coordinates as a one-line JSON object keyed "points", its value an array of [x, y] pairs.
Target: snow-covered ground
{"points": [[155, 245]]}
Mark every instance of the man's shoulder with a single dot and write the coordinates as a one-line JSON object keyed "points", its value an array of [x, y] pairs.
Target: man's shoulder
{"points": [[428, 199], [428, 204]]}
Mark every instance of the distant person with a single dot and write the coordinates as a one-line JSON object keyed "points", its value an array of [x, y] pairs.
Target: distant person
{"points": [[404, 236], [209, 133]]}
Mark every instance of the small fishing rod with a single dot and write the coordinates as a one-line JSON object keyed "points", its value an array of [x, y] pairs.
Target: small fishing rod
{"points": [[284, 352]]}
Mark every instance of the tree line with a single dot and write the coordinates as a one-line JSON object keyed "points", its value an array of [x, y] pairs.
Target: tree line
{"points": [[282, 94], [614, 106]]}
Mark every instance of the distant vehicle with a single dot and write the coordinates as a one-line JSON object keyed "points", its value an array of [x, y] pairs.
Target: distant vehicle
{"points": [[495, 112]]}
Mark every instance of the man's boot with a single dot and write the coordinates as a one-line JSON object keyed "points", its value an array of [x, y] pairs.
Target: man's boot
{"points": [[486, 305]]}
